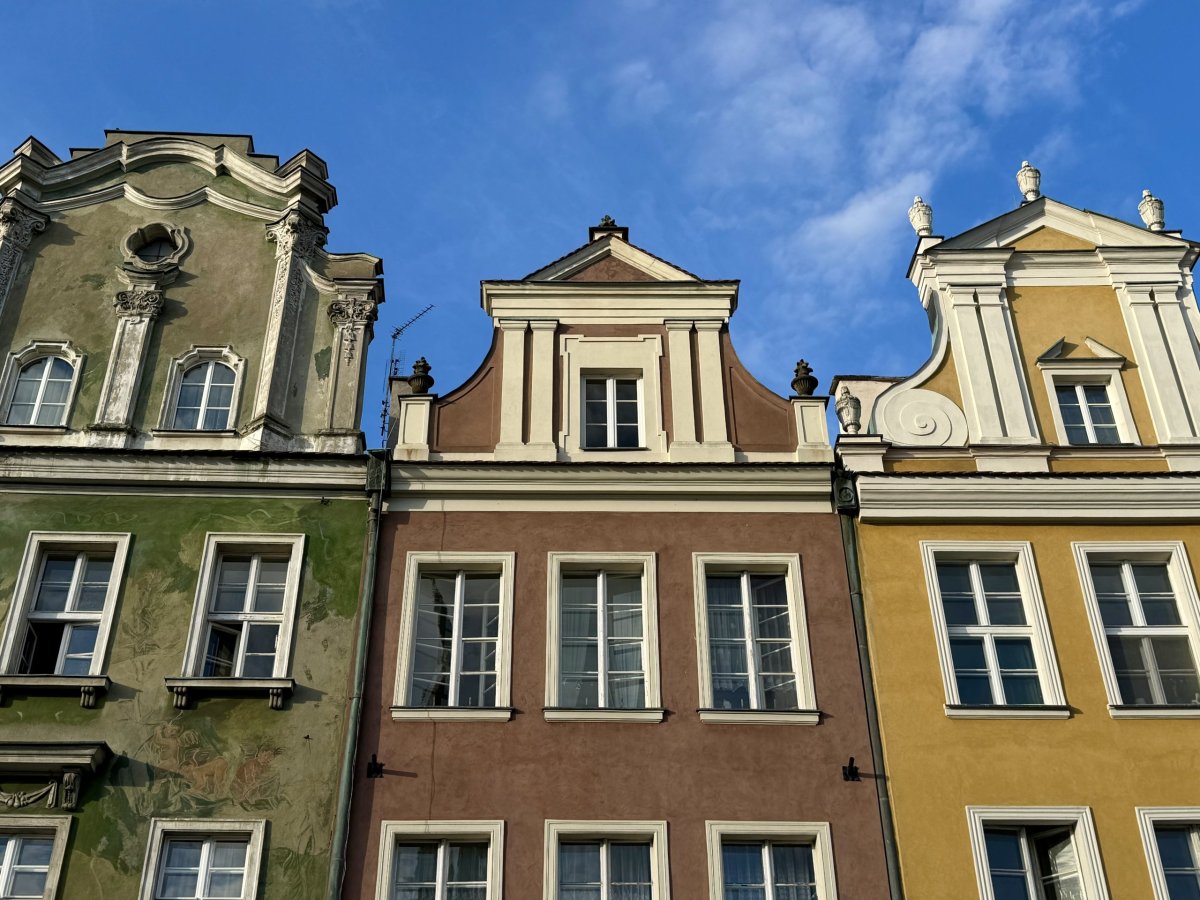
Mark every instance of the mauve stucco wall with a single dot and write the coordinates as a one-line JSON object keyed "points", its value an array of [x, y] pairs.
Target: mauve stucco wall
{"points": [[682, 771]]}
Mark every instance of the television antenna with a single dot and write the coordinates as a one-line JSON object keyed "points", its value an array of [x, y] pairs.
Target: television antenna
{"points": [[395, 361]]}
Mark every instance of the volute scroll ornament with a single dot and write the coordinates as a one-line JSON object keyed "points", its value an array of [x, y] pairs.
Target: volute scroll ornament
{"points": [[353, 311], [921, 418], [138, 304], [19, 223], [297, 234]]}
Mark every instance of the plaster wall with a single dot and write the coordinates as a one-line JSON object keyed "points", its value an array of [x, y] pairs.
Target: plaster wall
{"points": [[681, 770], [937, 766]]}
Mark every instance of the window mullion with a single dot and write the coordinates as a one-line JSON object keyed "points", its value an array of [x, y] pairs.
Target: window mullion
{"points": [[768, 871], [993, 663], [252, 584], [76, 582], [6, 867], [602, 639], [751, 647], [604, 871], [41, 391], [610, 409], [208, 374], [1027, 862], [1086, 412], [460, 584], [1131, 591], [205, 864], [441, 888]]}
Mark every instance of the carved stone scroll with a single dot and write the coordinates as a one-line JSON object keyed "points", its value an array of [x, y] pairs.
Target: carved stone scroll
{"points": [[921, 418], [18, 225]]}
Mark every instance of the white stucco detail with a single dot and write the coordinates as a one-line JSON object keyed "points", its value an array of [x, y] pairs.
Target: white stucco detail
{"points": [[921, 418]]}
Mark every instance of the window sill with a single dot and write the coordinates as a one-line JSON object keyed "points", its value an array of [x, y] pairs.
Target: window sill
{"points": [[1165, 711], [194, 432], [612, 449], [276, 689], [962, 711], [34, 429], [568, 714], [761, 716], [452, 713], [89, 686]]}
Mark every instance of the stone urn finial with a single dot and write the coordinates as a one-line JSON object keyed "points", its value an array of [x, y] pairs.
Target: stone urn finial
{"points": [[1151, 211], [848, 409], [420, 380], [608, 222], [1029, 182], [804, 382], [920, 216]]}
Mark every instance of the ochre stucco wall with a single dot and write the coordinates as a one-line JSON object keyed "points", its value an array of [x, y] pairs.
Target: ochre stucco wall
{"points": [[222, 758], [681, 770], [937, 766]]}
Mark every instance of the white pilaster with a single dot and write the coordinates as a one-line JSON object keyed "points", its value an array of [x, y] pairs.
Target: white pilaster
{"points": [[683, 409], [714, 431], [136, 311], [1008, 372], [511, 445], [353, 314], [541, 391]]}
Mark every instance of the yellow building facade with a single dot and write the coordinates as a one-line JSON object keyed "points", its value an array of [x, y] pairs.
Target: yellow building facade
{"points": [[1026, 537]]}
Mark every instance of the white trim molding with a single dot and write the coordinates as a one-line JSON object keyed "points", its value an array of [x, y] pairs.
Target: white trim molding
{"points": [[806, 712], [654, 832], [1083, 833], [253, 830], [180, 366], [37, 545], [17, 360], [392, 830], [56, 827], [1148, 818], [1037, 629], [816, 833], [503, 563], [644, 565], [1179, 570]]}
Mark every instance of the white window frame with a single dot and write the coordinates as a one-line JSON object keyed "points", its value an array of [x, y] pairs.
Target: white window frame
{"points": [[610, 380], [254, 830], [55, 827], [559, 831], [1083, 834], [180, 365], [1054, 702], [646, 562], [393, 831], [218, 544], [16, 361], [505, 564], [1179, 569], [1105, 372], [37, 545], [818, 834], [789, 563], [1148, 818]]}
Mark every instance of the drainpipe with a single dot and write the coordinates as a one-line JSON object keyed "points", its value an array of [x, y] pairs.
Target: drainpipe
{"points": [[377, 483], [846, 498]]}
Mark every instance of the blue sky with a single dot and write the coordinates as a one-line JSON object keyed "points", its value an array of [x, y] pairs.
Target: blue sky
{"points": [[776, 142]]}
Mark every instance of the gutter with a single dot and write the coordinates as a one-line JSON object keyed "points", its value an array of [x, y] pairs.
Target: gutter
{"points": [[377, 485], [846, 501]]}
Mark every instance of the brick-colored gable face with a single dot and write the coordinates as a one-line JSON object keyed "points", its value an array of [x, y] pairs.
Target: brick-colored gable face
{"points": [[611, 269]]}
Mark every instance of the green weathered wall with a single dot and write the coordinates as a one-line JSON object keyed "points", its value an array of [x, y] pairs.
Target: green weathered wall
{"points": [[224, 758]]}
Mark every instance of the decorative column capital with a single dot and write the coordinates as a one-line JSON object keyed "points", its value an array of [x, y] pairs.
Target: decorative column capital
{"points": [[19, 223], [138, 303], [355, 310], [297, 234]]}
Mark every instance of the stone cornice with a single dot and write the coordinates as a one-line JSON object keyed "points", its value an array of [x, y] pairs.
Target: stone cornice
{"points": [[1035, 497], [615, 302]]}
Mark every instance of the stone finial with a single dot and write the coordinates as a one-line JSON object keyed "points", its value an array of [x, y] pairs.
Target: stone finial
{"points": [[1029, 182], [608, 222], [1151, 211], [848, 409], [420, 380], [805, 382], [920, 216]]}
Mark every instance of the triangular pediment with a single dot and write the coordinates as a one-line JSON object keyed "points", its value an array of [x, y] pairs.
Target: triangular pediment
{"points": [[1089, 349], [609, 258], [1046, 224]]}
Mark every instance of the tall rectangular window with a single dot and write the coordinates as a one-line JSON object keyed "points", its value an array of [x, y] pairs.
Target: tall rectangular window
{"points": [[203, 859], [992, 635], [1179, 855], [612, 413], [754, 662], [768, 870], [433, 870], [25, 864], [605, 870], [1034, 863], [454, 647], [456, 638], [603, 659], [1087, 413], [1149, 642]]}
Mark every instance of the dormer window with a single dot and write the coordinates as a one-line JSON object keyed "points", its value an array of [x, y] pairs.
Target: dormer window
{"points": [[205, 398], [1087, 414], [612, 413]]}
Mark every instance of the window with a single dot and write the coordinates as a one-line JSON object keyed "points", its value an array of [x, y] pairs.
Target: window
{"points": [[203, 391], [1172, 839], [1087, 414], [441, 861], [754, 663], [202, 859], [31, 854], [41, 394], [993, 640], [454, 645], [602, 625], [245, 606], [770, 861], [1038, 853], [156, 250], [63, 604], [1142, 606], [606, 861], [205, 397], [612, 413]]}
